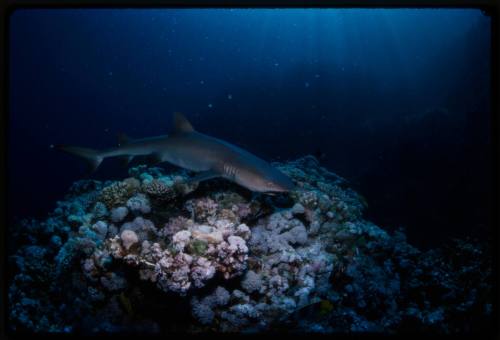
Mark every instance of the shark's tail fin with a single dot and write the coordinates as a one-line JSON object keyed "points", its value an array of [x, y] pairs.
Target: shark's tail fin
{"points": [[92, 157]]}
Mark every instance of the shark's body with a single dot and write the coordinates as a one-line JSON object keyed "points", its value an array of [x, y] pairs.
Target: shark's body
{"points": [[189, 149]]}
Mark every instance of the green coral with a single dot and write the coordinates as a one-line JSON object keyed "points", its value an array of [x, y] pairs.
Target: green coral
{"points": [[325, 307], [197, 247]]}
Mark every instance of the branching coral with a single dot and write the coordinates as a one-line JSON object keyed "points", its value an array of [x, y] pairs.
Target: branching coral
{"points": [[192, 257]]}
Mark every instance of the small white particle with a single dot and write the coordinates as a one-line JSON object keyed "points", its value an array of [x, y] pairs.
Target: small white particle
{"points": [[229, 96], [210, 105]]}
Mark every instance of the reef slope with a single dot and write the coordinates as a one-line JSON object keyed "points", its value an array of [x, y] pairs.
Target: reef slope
{"points": [[153, 254]]}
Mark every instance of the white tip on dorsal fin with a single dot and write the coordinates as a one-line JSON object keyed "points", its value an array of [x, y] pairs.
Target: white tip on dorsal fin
{"points": [[181, 124]]}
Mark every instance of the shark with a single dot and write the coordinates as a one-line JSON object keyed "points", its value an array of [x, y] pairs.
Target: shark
{"points": [[187, 148]]}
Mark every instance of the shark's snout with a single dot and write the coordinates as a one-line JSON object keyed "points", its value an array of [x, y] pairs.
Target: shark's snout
{"points": [[284, 185], [279, 182]]}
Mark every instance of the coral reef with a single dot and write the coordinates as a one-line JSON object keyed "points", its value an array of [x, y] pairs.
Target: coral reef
{"points": [[156, 253]]}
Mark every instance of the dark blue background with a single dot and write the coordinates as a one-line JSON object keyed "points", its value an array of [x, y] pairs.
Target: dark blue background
{"points": [[396, 101]]}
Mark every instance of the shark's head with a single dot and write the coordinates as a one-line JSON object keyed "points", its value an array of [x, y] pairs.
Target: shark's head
{"points": [[267, 180]]}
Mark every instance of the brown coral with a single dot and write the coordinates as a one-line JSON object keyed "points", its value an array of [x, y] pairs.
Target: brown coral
{"points": [[158, 190], [184, 187], [202, 208], [116, 194], [133, 183]]}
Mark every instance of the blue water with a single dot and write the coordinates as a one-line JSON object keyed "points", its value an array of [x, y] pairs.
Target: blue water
{"points": [[395, 101]]}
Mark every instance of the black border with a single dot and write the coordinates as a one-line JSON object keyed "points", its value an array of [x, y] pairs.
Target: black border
{"points": [[489, 7], [251, 3]]}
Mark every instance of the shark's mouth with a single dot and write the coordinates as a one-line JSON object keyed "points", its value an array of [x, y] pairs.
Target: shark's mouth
{"points": [[276, 192], [271, 193]]}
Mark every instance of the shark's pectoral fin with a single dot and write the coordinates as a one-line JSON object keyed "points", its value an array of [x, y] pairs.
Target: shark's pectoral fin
{"points": [[125, 160], [154, 158], [203, 176]]}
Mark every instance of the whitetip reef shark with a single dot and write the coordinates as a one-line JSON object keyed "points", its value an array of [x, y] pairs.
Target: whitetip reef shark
{"points": [[192, 150]]}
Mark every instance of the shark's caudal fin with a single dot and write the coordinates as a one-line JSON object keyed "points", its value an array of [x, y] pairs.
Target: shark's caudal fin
{"points": [[91, 156], [123, 139]]}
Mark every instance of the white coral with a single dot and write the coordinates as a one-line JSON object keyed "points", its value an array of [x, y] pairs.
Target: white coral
{"points": [[173, 273], [139, 204], [129, 238], [101, 229], [202, 271], [118, 214], [181, 239], [252, 282], [243, 231], [232, 256], [141, 226], [207, 233]]}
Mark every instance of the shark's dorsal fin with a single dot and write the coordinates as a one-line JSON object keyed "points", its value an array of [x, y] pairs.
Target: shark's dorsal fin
{"points": [[181, 124]]}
